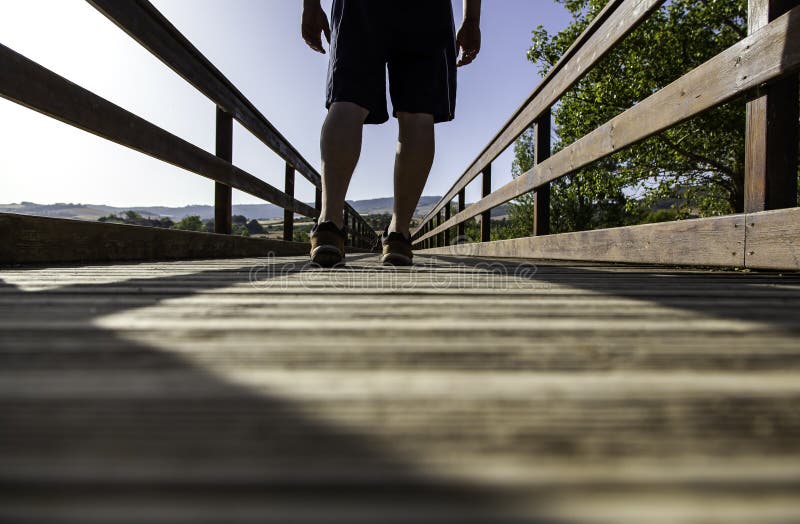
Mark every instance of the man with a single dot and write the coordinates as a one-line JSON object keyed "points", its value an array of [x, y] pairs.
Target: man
{"points": [[416, 39]]}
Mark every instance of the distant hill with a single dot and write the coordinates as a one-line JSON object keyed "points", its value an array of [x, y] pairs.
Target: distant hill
{"points": [[377, 206], [260, 211]]}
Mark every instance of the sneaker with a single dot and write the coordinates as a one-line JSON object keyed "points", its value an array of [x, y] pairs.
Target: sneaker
{"points": [[327, 244], [397, 250]]}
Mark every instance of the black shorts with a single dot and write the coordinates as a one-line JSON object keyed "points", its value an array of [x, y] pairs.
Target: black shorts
{"points": [[415, 38]]}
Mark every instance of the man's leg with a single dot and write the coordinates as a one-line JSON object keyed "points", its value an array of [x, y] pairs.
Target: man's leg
{"points": [[341, 146], [415, 150]]}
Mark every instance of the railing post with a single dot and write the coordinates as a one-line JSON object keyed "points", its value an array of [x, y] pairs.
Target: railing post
{"points": [[346, 223], [223, 195], [462, 205], [288, 215], [486, 216], [318, 199], [439, 237], [354, 234], [446, 218], [541, 195], [772, 129]]}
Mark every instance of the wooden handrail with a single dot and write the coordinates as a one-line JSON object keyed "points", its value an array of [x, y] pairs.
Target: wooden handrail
{"points": [[768, 55], [145, 24], [29, 84], [611, 25]]}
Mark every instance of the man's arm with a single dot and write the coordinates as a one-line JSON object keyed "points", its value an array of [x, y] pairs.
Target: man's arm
{"points": [[468, 39], [315, 22]]}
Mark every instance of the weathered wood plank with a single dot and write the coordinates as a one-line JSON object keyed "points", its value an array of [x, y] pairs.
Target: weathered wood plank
{"points": [[773, 239], [31, 85], [28, 239], [181, 391], [699, 242], [769, 54], [611, 25]]}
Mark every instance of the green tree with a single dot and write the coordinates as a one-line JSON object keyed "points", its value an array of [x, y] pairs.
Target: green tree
{"points": [[300, 235], [190, 223], [255, 227], [700, 163], [240, 230]]}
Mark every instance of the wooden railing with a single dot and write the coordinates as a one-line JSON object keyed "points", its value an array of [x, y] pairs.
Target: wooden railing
{"points": [[27, 83], [763, 66]]}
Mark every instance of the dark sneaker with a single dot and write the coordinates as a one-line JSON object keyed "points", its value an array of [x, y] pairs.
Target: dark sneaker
{"points": [[396, 250], [327, 244]]}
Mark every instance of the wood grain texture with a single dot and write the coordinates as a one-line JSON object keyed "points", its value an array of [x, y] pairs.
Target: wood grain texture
{"points": [[617, 19], [773, 239], [28, 239], [458, 390], [769, 54], [700, 242]]}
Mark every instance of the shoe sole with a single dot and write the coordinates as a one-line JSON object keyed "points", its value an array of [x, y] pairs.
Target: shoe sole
{"points": [[395, 259], [327, 256]]}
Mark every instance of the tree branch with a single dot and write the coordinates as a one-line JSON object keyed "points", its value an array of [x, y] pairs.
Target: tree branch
{"points": [[696, 157]]}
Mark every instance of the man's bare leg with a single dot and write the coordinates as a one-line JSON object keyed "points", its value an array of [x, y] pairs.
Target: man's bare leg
{"points": [[340, 145], [412, 165]]}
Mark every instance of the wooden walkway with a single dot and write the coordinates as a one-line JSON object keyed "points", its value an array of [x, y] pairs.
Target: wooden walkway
{"points": [[461, 390]]}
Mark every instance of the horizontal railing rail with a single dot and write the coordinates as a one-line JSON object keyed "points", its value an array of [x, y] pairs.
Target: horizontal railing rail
{"points": [[29, 84], [613, 23], [769, 55]]}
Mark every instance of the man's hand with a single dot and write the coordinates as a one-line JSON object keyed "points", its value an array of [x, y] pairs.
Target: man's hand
{"points": [[468, 40], [315, 22]]}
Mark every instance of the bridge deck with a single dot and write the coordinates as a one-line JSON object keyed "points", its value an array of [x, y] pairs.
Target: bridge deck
{"points": [[251, 390]]}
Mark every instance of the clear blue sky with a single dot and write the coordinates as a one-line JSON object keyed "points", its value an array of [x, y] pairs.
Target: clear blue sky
{"points": [[257, 44]]}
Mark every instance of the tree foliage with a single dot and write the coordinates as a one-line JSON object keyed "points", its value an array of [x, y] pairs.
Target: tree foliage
{"points": [[190, 223], [699, 164]]}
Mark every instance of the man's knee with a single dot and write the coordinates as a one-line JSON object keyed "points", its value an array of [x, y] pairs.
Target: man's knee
{"points": [[415, 119], [348, 111]]}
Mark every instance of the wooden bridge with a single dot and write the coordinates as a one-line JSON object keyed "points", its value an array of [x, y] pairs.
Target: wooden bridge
{"points": [[639, 374]]}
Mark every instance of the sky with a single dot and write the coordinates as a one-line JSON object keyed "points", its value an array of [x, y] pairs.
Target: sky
{"points": [[257, 45]]}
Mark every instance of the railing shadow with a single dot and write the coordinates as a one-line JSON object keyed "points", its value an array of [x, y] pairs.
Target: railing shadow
{"points": [[115, 430], [746, 299]]}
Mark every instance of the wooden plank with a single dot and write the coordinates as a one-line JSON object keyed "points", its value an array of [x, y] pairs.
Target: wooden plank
{"points": [[768, 55], [31, 85], [579, 393], [145, 24], [715, 241], [611, 25], [771, 147], [28, 239], [223, 193], [773, 240]]}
